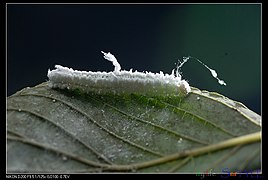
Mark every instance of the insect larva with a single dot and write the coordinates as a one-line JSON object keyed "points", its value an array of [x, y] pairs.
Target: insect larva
{"points": [[119, 81]]}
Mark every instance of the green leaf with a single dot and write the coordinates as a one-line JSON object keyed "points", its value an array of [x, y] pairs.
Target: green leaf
{"points": [[52, 130]]}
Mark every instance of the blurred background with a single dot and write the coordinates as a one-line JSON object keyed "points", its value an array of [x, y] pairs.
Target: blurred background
{"points": [[226, 37]]}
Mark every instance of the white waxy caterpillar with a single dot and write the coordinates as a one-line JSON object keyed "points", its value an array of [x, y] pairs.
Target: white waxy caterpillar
{"points": [[119, 81], [122, 81]]}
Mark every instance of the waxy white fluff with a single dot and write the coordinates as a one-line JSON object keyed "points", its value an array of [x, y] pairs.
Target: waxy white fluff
{"points": [[119, 81]]}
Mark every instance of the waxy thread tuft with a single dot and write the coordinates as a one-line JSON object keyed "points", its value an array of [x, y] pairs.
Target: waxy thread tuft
{"points": [[212, 71]]}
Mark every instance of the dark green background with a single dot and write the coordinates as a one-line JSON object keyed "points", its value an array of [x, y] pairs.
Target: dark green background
{"points": [[226, 37]]}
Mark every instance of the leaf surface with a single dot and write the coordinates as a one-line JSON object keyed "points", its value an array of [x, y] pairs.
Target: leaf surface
{"points": [[52, 130]]}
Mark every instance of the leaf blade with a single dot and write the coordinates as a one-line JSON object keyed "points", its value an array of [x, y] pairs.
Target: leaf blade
{"points": [[129, 132]]}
